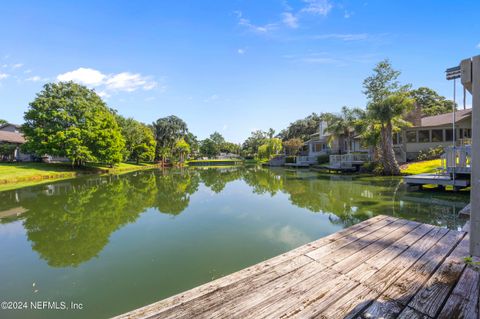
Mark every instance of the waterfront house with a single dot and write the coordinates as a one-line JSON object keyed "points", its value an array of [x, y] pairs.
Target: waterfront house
{"points": [[10, 134], [432, 131], [424, 134]]}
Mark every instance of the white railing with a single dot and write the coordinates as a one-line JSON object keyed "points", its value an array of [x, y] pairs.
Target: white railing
{"points": [[305, 159], [346, 160], [457, 159]]}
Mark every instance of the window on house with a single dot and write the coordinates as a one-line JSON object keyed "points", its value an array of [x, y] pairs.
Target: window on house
{"points": [[448, 135], [411, 136], [437, 135], [467, 133], [424, 136], [318, 147]]}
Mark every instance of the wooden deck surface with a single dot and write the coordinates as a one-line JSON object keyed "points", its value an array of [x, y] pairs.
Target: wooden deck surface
{"points": [[383, 267]]}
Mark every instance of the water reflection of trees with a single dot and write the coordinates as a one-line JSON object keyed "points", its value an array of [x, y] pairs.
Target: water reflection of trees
{"points": [[174, 189], [217, 178], [70, 228], [70, 222]]}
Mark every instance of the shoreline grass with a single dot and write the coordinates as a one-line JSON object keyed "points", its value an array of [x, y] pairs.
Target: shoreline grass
{"points": [[17, 175], [422, 167]]}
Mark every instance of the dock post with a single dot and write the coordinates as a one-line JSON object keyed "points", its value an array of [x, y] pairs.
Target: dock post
{"points": [[475, 189]]}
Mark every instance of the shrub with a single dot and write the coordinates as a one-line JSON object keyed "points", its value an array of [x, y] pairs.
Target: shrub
{"points": [[323, 159], [431, 153], [371, 167], [290, 159]]}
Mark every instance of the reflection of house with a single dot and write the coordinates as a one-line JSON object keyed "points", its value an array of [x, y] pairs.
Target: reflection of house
{"points": [[432, 131], [10, 134]]}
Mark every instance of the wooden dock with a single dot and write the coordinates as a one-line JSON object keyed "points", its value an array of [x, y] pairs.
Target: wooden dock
{"points": [[383, 267], [436, 179]]}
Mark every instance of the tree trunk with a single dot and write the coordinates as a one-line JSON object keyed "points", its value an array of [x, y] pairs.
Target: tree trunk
{"points": [[388, 160]]}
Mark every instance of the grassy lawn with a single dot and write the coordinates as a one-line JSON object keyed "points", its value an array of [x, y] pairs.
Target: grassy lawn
{"points": [[421, 167], [15, 175]]}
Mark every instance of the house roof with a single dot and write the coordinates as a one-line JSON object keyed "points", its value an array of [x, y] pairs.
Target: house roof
{"points": [[11, 137], [445, 119], [10, 124]]}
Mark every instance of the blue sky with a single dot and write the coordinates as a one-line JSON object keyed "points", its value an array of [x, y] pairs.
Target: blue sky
{"points": [[228, 66]]}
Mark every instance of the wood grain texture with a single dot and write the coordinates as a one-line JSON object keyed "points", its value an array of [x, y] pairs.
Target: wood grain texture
{"points": [[381, 268], [432, 296]]}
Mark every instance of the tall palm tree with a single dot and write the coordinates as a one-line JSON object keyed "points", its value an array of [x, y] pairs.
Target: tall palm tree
{"points": [[341, 125], [386, 114]]}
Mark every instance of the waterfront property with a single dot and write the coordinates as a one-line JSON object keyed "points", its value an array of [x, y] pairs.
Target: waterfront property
{"points": [[424, 134], [10, 135], [384, 267], [433, 131], [120, 242]]}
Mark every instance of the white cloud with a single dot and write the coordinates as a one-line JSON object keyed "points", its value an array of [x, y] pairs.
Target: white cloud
{"points": [[290, 20], [347, 14], [242, 51], [85, 76], [35, 78], [252, 27], [27, 71], [478, 46], [17, 65], [108, 84], [340, 36], [129, 82], [4, 75], [318, 7]]}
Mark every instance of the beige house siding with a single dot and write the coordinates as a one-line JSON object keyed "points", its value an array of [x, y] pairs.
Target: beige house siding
{"points": [[413, 148]]}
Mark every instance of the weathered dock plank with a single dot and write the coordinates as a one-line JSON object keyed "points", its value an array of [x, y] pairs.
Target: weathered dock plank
{"points": [[463, 302], [431, 298], [381, 268]]}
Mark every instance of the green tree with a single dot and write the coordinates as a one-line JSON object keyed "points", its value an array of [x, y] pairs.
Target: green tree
{"points": [[430, 102], [252, 143], [383, 82], [209, 148], [68, 119], [340, 126], [302, 128], [2, 121], [272, 147], [388, 103], [182, 149], [386, 112], [168, 131], [213, 145], [139, 140], [218, 139], [192, 140]]}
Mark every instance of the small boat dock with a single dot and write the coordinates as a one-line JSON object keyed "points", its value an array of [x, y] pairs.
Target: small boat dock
{"points": [[384, 267], [455, 170]]}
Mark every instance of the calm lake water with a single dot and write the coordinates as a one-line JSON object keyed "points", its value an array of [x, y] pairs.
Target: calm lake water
{"points": [[115, 243]]}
